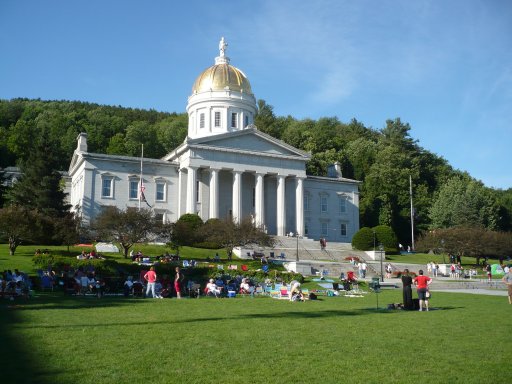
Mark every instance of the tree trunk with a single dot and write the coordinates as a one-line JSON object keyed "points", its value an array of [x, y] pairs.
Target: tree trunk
{"points": [[12, 246], [126, 248]]}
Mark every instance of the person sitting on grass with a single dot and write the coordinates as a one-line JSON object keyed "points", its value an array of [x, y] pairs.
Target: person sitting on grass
{"points": [[295, 292]]}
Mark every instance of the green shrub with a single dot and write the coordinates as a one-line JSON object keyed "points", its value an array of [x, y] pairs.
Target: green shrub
{"points": [[363, 239], [207, 245], [256, 275], [384, 235]]}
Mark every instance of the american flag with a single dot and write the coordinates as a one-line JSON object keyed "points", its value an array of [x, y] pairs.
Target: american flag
{"points": [[142, 197]]}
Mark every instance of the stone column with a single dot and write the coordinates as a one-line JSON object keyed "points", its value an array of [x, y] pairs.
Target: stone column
{"points": [[214, 193], [191, 189], [237, 196], [299, 206], [281, 208], [180, 184], [259, 211]]}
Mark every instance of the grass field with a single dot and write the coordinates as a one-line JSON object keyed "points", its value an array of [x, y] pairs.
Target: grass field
{"points": [[54, 338]]}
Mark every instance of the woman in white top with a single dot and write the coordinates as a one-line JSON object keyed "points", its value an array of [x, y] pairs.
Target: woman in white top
{"points": [[211, 287]]}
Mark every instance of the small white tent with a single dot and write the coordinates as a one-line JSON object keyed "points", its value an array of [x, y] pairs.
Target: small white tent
{"points": [[106, 247]]}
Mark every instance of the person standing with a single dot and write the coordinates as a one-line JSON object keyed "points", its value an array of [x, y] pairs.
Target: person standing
{"points": [[177, 282], [364, 267], [407, 289], [422, 282], [507, 279], [488, 269], [150, 277]]}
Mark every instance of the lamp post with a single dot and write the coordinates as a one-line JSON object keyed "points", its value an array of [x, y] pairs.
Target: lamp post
{"points": [[381, 251], [442, 250]]}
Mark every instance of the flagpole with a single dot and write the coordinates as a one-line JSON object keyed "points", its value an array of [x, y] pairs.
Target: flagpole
{"points": [[140, 182], [412, 214]]}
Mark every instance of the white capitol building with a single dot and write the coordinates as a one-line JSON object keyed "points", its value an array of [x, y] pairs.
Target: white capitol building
{"points": [[225, 167]]}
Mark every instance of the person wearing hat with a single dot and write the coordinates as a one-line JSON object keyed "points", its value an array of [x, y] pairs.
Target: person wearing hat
{"points": [[212, 288]]}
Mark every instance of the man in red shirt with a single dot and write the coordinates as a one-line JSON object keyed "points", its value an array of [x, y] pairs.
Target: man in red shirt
{"points": [[422, 282]]}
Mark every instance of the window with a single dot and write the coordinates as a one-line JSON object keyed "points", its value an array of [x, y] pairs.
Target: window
{"points": [[107, 187], [201, 120], [246, 121], [323, 204], [159, 217], [197, 191], [134, 189], [253, 197], [234, 118], [306, 202], [343, 205], [324, 229], [160, 191], [306, 228], [217, 119], [343, 229]]}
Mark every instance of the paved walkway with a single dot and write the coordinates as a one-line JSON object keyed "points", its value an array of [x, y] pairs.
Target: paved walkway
{"points": [[476, 291]]}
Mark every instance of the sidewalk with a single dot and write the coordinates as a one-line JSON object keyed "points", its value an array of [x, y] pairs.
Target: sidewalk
{"points": [[476, 291]]}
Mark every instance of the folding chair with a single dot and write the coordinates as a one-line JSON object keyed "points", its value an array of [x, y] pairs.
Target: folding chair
{"points": [[46, 282], [138, 289]]}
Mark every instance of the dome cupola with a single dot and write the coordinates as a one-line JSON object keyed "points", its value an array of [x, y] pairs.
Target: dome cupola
{"points": [[222, 99]]}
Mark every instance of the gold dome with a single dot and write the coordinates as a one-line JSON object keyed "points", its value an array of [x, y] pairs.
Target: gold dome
{"points": [[220, 77]]}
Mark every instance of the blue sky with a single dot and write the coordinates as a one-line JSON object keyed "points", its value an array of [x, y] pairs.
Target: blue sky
{"points": [[445, 67]]}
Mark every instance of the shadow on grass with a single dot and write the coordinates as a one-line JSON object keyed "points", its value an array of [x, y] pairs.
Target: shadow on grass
{"points": [[58, 300], [20, 364]]}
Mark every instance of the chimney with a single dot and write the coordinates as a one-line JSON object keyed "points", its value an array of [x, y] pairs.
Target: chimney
{"points": [[337, 167], [82, 142], [334, 170]]}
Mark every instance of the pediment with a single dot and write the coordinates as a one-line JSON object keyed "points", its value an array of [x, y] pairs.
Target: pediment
{"points": [[250, 140]]}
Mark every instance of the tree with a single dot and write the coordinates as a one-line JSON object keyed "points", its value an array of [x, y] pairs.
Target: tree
{"points": [[467, 241], [126, 227], [66, 229], [2, 187], [141, 132], [505, 209], [265, 119], [40, 186], [18, 225], [172, 131], [463, 201], [230, 234]]}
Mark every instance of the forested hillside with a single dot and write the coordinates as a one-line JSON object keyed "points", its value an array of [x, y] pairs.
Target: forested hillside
{"points": [[382, 159]]}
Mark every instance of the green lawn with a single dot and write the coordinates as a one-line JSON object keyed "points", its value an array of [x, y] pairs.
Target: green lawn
{"points": [[57, 339], [424, 258], [22, 258], [53, 338]]}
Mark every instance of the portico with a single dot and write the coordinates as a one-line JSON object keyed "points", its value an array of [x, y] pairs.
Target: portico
{"points": [[238, 193]]}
